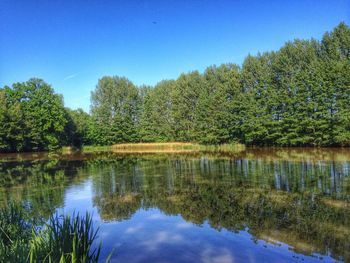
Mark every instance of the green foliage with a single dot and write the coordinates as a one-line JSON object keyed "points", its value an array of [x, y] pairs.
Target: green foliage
{"points": [[15, 230], [185, 96], [157, 121], [33, 117], [297, 96], [115, 111], [78, 128], [216, 106]]}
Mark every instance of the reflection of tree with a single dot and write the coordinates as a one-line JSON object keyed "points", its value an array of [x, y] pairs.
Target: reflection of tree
{"points": [[299, 203], [298, 154], [39, 184], [302, 202], [118, 207], [117, 188]]}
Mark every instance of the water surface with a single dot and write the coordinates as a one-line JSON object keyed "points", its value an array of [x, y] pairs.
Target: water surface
{"points": [[260, 205]]}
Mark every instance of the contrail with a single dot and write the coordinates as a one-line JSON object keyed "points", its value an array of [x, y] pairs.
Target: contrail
{"points": [[70, 76]]}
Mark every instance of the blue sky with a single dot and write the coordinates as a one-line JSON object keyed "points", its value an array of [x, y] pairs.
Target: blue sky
{"points": [[71, 44]]}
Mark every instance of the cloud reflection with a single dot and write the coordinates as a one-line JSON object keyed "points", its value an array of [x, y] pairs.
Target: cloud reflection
{"points": [[156, 217], [133, 229], [160, 238], [210, 255], [184, 225]]}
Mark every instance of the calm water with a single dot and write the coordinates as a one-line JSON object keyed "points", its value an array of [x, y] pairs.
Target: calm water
{"points": [[260, 205]]}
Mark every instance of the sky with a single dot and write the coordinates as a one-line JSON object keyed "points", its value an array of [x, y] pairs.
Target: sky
{"points": [[71, 44]]}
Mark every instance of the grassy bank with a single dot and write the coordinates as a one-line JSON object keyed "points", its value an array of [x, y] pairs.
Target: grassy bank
{"points": [[176, 147], [91, 149], [62, 239], [86, 149], [158, 147]]}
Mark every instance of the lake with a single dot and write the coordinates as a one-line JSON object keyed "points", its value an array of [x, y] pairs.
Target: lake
{"points": [[258, 205]]}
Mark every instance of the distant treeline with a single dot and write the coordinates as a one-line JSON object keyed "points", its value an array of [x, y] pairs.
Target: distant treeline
{"points": [[296, 96]]}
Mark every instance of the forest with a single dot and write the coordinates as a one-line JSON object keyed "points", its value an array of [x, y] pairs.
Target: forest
{"points": [[296, 96]]}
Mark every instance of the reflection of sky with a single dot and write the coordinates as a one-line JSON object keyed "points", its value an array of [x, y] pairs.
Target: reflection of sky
{"points": [[151, 236]]}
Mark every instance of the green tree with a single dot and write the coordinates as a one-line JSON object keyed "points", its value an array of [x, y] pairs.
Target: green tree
{"points": [[216, 104], [258, 117], [114, 109], [35, 117], [3, 121], [77, 128], [185, 97], [296, 89], [156, 124], [335, 72]]}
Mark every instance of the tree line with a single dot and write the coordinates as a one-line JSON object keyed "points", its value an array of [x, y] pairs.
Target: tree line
{"points": [[296, 96]]}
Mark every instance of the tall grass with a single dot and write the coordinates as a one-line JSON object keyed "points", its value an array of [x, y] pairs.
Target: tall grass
{"points": [[62, 239], [15, 231], [227, 147], [91, 149], [176, 147], [66, 238]]}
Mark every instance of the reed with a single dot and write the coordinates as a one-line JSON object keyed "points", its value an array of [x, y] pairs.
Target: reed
{"points": [[15, 231], [96, 148], [67, 239], [61, 239], [176, 147]]}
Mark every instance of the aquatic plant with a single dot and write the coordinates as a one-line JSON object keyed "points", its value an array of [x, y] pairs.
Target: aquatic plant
{"points": [[61, 239], [15, 230]]}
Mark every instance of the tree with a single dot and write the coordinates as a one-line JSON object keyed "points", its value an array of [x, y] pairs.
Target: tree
{"points": [[215, 107], [296, 89], [258, 117], [114, 109], [35, 117], [77, 128], [335, 72], [3, 120], [185, 97], [156, 124]]}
